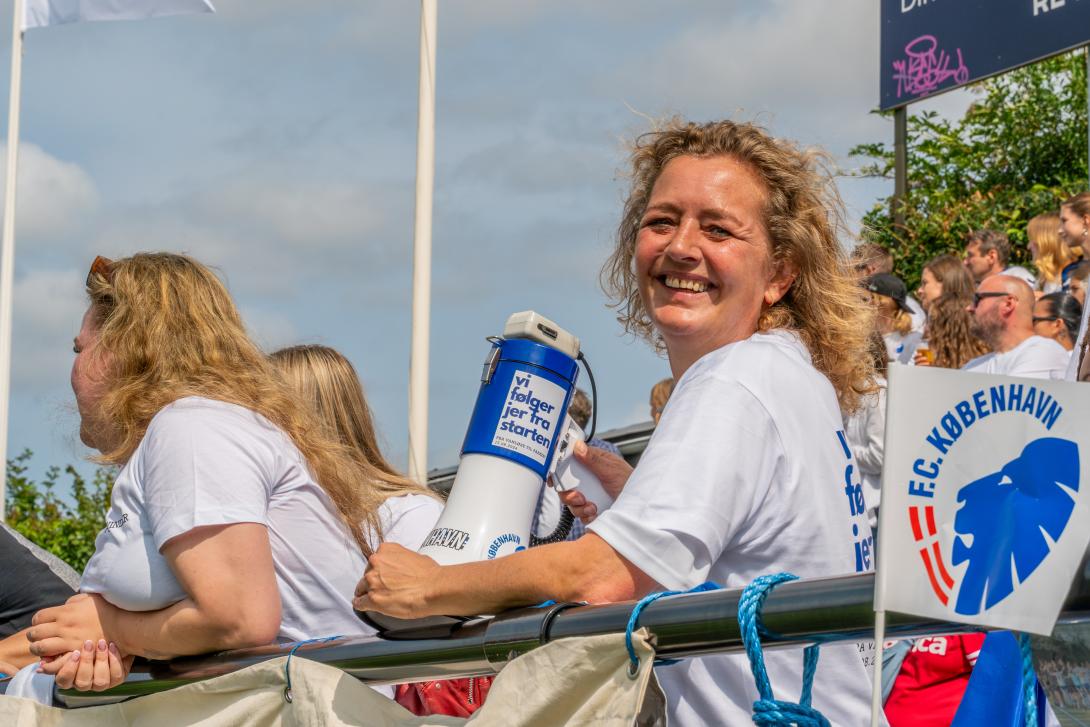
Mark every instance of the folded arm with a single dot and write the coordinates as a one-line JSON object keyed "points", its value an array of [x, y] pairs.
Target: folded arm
{"points": [[233, 602]]}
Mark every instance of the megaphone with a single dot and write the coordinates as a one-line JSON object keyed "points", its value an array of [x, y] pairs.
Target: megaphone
{"points": [[519, 434]]}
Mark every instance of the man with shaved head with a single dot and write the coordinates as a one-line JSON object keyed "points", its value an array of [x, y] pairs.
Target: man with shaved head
{"points": [[1002, 311]]}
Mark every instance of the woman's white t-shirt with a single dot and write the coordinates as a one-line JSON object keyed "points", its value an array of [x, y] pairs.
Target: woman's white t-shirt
{"points": [[204, 462], [748, 474]]}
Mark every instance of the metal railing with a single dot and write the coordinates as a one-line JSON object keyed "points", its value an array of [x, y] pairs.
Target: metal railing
{"points": [[799, 613]]}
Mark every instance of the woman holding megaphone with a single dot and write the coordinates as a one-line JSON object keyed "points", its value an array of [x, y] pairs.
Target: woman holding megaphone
{"points": [[727, 257]]}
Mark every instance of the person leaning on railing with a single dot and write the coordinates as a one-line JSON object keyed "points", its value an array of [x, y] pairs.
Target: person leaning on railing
{"points": [[235, 520], [727, 255]]}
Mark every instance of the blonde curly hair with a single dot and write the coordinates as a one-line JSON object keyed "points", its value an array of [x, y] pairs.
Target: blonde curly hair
{"points": [[803, 216], [168, 329]]}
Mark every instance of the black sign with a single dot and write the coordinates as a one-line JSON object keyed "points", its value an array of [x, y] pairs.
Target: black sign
{"points": [[930, 46]]}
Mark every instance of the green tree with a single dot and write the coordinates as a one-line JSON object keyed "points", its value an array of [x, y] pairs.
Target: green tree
{"points": [[1020, 150], [65, 527]]}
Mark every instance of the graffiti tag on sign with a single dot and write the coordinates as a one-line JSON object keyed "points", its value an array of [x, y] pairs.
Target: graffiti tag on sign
{"points": [[925, 67]]}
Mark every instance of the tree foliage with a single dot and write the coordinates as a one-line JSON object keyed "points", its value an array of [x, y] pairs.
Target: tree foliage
{"points": [[1019, 150], [66, 527]]}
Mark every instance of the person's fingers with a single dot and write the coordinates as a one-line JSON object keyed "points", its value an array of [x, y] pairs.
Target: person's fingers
{"points": [[65, 676], [572, 499], [50, 647], [587, 514], [101, 677], [580, 448], [46, 615], [363, 603], [43, 630], [85, 671], [115, 666], [361, 586]]}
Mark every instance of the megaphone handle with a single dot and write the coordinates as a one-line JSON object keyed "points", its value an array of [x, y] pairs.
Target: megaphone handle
{"points": [[569, 473]]}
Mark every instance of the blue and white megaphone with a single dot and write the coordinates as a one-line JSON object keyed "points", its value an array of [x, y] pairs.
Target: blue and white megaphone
{"points": [[520, 434]]}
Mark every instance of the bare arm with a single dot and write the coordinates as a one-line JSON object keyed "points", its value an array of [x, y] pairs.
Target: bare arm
{"points": [[401, 583], [233, 601], [15, 650]]}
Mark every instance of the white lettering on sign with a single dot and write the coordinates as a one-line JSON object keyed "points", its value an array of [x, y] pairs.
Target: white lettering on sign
{"points": [[530, 416], [1043, 6], [907, 5]]}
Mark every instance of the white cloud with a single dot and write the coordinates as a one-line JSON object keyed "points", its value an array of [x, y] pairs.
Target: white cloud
{"points": [[53, 197]]}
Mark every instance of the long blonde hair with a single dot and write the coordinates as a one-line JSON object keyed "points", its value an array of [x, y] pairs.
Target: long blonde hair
{"points": [[169, 329], [328, 382], [1053, 255], [803, 216]]}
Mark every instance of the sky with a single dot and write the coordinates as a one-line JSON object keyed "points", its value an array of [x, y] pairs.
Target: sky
{"points": [[275, 141]]}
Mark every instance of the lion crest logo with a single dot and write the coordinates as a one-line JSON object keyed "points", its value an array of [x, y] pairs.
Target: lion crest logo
{"points": [[1013, 516]]}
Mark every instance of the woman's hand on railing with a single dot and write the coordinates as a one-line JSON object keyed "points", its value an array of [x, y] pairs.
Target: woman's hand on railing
{"points": [[64, 629], [396, 583], [93, 668]]}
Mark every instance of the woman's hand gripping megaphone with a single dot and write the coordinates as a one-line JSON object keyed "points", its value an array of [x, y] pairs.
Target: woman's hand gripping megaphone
{"points": [[610, 470]]}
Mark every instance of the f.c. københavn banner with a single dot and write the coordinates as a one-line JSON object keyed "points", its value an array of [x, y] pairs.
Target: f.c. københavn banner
{"points": [[985, 516]]}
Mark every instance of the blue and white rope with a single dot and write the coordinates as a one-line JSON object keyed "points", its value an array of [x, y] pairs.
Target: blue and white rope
{"points": [[768, 710], [634, 619]]}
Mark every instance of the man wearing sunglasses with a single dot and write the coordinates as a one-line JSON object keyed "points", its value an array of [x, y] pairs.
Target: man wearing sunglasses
{"points": [[1002, 311]]}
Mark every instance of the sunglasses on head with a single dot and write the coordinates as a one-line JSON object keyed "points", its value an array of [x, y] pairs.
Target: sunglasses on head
{"points": [[977, 297], [102, 267]]}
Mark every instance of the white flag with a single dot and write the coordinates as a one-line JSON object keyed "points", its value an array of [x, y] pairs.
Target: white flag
{"points": [[40, 13], [984, 515]]}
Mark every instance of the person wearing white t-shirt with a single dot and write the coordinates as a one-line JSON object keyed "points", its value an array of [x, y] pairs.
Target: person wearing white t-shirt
{"points": [[1002, 310], [235, 520], [1075, 231], [727, 256], [988, 252]]}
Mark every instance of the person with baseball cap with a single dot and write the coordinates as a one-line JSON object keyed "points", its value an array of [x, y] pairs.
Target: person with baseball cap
{"points": [[893, 317]]}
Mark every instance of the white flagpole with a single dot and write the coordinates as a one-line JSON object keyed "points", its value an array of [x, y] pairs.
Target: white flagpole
{"points": [[7, 246], [425, 185], [876, 693]]}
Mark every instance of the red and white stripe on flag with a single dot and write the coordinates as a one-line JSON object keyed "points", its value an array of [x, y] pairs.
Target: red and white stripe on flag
{"points": [[40, 13], [985, 510]]}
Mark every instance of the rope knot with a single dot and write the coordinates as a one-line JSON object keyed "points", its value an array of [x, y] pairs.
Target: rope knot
{"points": [[768, 710]]}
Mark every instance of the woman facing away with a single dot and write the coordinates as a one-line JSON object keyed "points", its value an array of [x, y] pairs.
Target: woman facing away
{"points": [[236, 519], [327, 381], [726, 257]]}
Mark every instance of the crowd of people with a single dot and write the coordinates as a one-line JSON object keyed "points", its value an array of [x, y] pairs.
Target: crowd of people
{"points": [[253, 504]]}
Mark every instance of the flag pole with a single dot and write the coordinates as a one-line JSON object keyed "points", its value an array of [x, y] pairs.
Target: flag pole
{"points": [[425, 185], [876, 693], [7, 245]]}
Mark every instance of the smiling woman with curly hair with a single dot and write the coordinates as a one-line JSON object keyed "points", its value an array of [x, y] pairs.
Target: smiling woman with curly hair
{"points": [[727, 258]]}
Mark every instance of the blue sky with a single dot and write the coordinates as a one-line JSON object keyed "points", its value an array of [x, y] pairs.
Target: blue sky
{"points": [[275, 140]]}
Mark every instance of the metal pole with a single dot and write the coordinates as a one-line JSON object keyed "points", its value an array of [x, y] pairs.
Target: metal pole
{"points": [[1087, 114], [900, 167], [425, 186], [7, 245], [796, 614]]}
